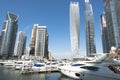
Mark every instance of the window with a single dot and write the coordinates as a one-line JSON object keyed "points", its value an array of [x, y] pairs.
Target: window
{"points": [[92, 68], [77, 64]]}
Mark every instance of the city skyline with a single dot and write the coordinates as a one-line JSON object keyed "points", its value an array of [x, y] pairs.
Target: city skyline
{"points": [[55, 15]]}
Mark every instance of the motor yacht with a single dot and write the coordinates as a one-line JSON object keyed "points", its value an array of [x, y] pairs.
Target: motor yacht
{"points": [[22, 63], [108, 71], [38, 67], [9, 63], [72, 70]]}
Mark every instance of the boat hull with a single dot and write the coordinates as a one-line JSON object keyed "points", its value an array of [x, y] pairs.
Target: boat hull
{"points": [[69, 71]]}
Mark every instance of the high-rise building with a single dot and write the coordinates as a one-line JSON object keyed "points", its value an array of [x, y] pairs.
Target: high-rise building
{"points": [[41, 43], [20, 44], [50, 55], [104, 34], [8, 35], [89, 23], [0, 46], [74, 28], [112, 14], [33, 40]]}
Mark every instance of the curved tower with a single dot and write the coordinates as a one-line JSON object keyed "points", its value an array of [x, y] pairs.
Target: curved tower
{"points": [[90, 34], [74, 28]]}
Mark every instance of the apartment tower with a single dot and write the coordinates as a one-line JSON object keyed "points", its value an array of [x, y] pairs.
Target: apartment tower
{"points": [[74, 28], [41, 44], [112, 14], [90, 33], [104, 34], [20, 44], [33, 39], [8, 35]]}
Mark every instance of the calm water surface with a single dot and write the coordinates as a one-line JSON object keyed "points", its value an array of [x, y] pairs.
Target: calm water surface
{"points": [[8, 74]]}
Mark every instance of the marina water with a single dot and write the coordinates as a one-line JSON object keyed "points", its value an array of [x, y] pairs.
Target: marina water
{"points": [[9, 74]]}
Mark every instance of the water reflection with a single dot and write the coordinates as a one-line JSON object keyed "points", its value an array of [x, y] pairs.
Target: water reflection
{"points": [[8, 74], [62, 77]]}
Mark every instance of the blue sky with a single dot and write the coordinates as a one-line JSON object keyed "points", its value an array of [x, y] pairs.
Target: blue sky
{"points": [[55, 15]]}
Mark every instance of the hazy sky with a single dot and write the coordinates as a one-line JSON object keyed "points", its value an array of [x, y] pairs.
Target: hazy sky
{"points": [[55, 15]]}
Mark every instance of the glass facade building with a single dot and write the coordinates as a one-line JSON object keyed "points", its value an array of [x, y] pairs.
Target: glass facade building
{"points": [[74, 28], [8, 35], [90, 34], [41, 44], [20, 44], [104, 34], [33, 40], [112, 14]]}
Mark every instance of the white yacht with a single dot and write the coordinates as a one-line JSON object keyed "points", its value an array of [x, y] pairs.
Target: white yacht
{"points": [[20, 63], [70, 70], [108, 71], [73, 69], [38, 67], [52, 66], [9, 63]]}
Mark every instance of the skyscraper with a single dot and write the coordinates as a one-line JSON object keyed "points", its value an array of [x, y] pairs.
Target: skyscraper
{"points": [[33, 40], [0, 46], [74, 28], [112, 13], [20, 44], [41, 43], [89, 23], [8, 35], [104, 34]]}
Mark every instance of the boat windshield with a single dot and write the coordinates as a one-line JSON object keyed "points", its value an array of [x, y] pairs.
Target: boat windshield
{"points": [[77, 64], [38, 65], [115, 68], [92, 68]]}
